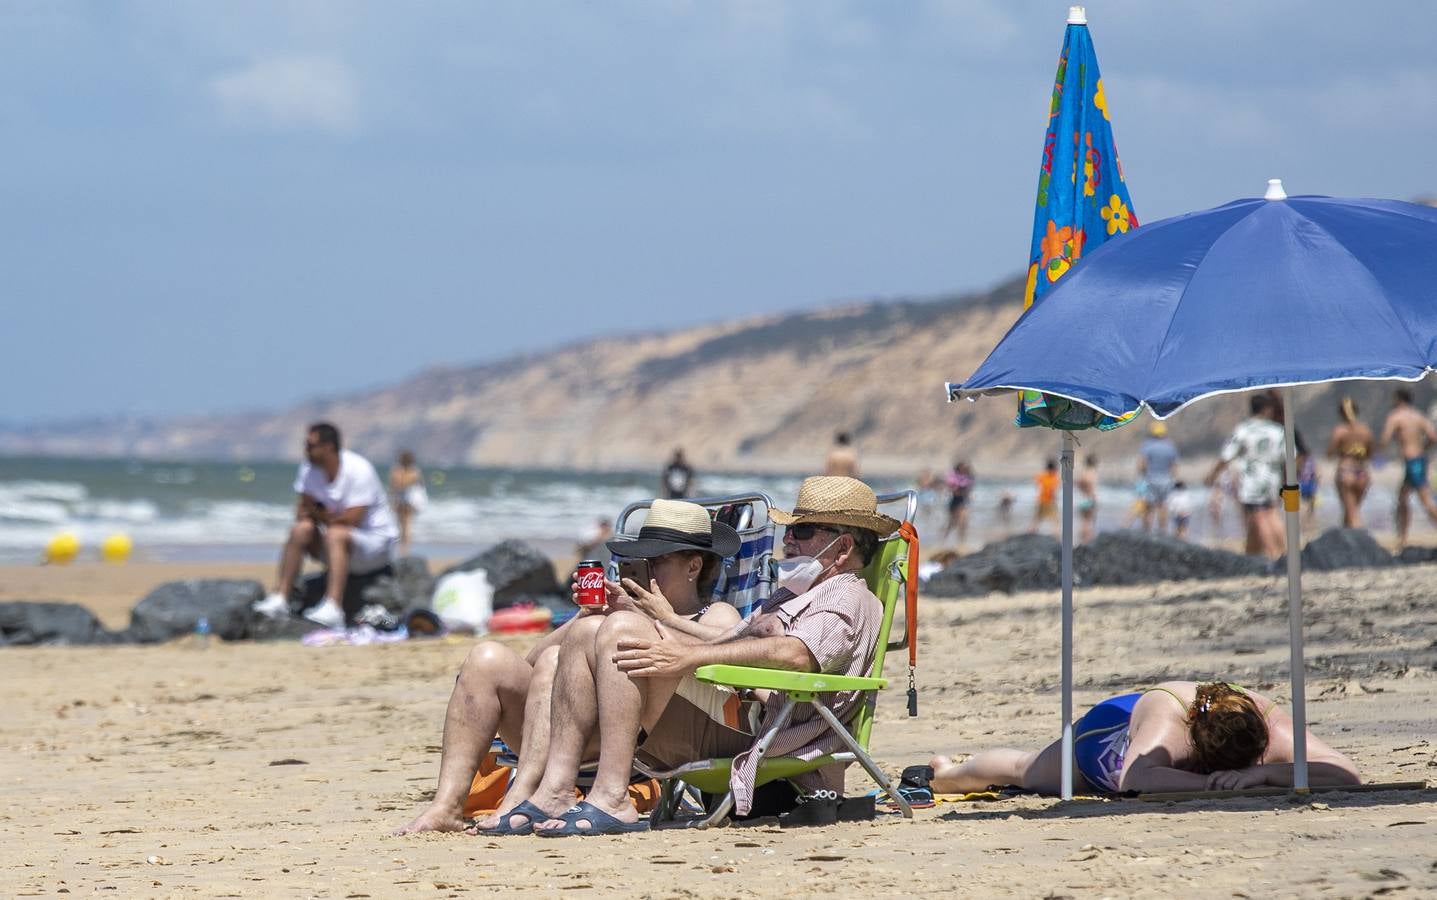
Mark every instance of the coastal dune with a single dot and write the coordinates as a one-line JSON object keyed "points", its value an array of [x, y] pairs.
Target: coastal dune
{"points": [[260, 770]]}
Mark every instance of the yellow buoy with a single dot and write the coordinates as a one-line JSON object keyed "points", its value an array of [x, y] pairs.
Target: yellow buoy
{"points": [[116, 548], [246, 474], [63, 548]]}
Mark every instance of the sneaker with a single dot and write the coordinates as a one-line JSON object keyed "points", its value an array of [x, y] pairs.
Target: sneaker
{"points": [[273, 606], [325, 613]]}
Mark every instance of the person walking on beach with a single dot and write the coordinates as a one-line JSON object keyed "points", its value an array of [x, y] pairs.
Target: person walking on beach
{"points": [[1157, 466], [1257, 446], [677, 479], [1351, 444], [843, 458], [960, 481], [1413, 435], [1087, 486], [407, 495], [1046, 507], [341, 519]]}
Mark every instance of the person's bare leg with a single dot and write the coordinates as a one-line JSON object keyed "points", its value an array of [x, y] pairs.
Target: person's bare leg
{"points": [[303, 538], [336, 547], [1040, 771], [533, 743], [573, 717], [405, 515], [1404, 515], [625, 704], [1163, 519], [488, 698], [1254, 541], [1424, 494]]}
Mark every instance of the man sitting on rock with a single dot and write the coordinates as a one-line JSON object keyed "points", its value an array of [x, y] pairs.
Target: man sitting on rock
{"points": [[342, 519], [631, 678]]}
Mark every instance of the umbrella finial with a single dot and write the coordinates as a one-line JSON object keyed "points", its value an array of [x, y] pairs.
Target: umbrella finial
{"points": [[1274, 190], [1077, 15]]}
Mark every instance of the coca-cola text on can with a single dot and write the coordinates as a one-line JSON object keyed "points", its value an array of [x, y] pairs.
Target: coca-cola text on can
{"points": [[590, 579]]}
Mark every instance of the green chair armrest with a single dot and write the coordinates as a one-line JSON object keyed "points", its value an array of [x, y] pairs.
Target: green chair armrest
{"points": [[784, 680]]}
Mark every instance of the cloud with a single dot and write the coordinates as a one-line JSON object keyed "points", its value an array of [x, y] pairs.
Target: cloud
{"points": [[290, 94]]}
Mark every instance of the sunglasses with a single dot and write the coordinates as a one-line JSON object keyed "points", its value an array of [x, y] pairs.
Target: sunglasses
{"points": [[804, 531]]}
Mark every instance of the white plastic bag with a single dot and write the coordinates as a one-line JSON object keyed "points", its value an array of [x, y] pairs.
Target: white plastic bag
{"points": [[464, 600], [416, 497]]}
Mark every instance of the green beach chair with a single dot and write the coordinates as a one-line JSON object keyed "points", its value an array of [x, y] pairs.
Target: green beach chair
{"points": [[887, 575]]}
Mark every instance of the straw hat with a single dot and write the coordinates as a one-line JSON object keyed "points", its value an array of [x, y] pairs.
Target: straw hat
{"points": [[1157, 429], [674, 525], [837, 500]]}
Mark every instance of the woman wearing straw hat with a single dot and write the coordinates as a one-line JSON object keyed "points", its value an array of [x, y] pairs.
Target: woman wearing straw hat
{"points": [[630, 679], [500, 692]]}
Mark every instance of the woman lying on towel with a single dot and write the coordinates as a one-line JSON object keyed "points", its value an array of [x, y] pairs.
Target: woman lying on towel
{"points": [[500, 692], [1178, 736]]}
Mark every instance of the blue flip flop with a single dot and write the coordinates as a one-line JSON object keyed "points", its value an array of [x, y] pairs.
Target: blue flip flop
{"points": [[599, 821], [529, 811]]}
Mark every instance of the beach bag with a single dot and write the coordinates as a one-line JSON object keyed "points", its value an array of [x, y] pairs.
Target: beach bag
{"points": [[463, 600], [487, 790]]}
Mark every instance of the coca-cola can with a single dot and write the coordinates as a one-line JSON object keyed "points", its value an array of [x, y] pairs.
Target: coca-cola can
{"points": [[590, 580]]}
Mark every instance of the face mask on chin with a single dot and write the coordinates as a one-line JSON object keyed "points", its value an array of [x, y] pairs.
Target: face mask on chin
{"points": [[796, 574]]}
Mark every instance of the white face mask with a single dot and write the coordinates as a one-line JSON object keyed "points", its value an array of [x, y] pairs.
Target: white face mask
{"points": [[796, 574]]}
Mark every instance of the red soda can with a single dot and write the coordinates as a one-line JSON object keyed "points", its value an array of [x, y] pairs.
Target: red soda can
{"points": [[590, 579]]}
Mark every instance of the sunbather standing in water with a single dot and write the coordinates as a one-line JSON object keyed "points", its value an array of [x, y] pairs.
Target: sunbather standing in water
{"points": [[1178, 736], [500, 692]]}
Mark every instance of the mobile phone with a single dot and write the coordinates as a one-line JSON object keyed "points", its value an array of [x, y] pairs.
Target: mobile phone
{"points": [[637, 569]]}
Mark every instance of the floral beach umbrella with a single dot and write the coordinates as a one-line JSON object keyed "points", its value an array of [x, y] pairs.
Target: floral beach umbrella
{"points": [[1082, 202]]}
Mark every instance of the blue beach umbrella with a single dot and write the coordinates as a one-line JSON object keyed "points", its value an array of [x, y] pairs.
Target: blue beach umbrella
{"points": [[1270, 292]]}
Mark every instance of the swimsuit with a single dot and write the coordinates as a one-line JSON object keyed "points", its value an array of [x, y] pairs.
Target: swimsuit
{"points": [[1100, 737], [1414, 475], [1100, 740]]}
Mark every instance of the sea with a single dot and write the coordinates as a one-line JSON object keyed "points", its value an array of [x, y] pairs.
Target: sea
{"points": [[231, 511]]}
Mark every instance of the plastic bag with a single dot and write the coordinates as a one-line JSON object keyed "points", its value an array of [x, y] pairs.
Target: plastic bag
{"points": [[464, 600]]}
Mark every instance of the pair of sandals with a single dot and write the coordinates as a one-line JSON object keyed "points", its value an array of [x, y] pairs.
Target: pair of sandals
{"points": [[596, 822]]}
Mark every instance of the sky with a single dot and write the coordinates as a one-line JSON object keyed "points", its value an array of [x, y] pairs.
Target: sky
{"points": [[213, 207]]}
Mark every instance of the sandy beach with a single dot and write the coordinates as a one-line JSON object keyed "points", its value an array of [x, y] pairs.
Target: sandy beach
{"points": [[275, 770]]}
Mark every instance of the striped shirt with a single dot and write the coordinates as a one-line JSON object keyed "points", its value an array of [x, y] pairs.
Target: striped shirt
{"points": [[838, 621]]}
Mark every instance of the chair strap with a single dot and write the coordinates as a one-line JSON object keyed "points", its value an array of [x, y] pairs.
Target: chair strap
{"points": [[909, 533]]}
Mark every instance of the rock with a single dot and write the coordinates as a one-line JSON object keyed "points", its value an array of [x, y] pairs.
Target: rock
{"points": [[1344, 548], [517, 571], [409, 586], [1135, 557], [309, 590], [1411, 556], [1021, 563], [173, 609], [50, 622], [1033, 562]]}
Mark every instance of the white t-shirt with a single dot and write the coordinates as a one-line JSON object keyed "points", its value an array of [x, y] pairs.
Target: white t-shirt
{"points": [[355, 484], [1257, 446], [1181, 503]]}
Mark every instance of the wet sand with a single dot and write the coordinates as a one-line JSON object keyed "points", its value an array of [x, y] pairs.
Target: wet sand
{"points": [[247, 770]]}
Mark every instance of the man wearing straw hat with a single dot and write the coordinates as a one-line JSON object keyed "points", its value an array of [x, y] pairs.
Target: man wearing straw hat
{"points": [[631, 678]]}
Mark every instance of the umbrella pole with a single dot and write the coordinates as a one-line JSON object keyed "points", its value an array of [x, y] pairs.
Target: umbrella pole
{"points": [[1067, 565], [1291, 502]]}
